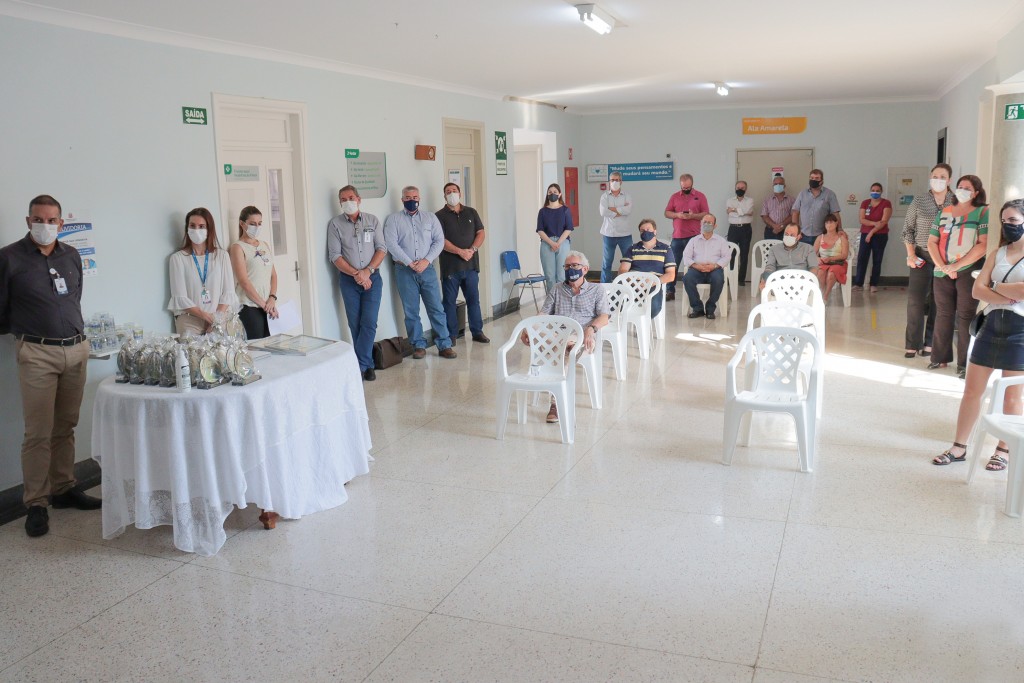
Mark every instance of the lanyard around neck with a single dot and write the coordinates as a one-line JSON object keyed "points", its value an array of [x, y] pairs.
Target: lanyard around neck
{"points": [[206, 265]]}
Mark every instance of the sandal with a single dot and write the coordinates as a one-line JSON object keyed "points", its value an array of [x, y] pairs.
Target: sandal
{"points": [[946, 457], [998, 463], [926, 351], [937, 366]]}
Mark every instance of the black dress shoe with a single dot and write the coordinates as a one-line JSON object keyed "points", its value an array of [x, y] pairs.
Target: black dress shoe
{"points": [[711, 315], [481, 338], [75, 498], [694, 313], [38, 521], [369, 375], [670, 296]]}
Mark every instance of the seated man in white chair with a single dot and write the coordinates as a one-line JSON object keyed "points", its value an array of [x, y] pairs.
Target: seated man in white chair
{"points": [[650, 256], [585, 302], [792, 254], [705, 258]]}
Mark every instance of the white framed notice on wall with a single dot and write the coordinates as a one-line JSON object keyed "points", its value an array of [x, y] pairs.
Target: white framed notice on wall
{"points": [[902, 184]]}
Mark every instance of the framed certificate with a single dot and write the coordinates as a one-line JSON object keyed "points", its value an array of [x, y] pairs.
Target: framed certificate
{"points": [[298, 345]]}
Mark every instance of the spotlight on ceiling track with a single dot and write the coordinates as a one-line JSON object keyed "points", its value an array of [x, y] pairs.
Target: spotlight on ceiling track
{"points": [[721, 88], [596, 18]]}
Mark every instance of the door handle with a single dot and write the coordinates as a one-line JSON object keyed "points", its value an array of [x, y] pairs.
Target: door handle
{"points": [[296, 271]]}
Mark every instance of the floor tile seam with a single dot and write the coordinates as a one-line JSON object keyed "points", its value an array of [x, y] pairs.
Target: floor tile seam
{"points": [[93, 617], [397, 645], [318, 591], [916, 534], [453, 486], [98, 544], [802, 673], [596, 641], [652, 508], [771, 595]]}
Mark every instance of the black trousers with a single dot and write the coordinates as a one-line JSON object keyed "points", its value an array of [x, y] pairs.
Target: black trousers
{"points": [[740, 236], [254, 320], [920, 304]]}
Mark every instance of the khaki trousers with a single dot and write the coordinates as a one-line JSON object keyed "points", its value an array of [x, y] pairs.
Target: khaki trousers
{"points": [[52, 383]]}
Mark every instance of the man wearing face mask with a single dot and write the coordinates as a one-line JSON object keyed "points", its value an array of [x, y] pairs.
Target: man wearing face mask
{"points": [[414, 239], [812, 205], [792, 254], [705, 261], [686, 208], [776, 210], [650, 256], [585, 302], [460, 262], [355, 245], [740, 210], [616, 206], [40, 304]]}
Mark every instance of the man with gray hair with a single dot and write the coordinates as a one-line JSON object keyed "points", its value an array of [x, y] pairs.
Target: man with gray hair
{"points": [[616, 205], [414, 238], [585, 302]]}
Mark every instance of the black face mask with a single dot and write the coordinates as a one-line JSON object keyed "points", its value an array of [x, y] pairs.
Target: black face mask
{"points": [[1013, 232], [815, 184], [552, 198], [687, 190], [740, 193], [646, 235]]}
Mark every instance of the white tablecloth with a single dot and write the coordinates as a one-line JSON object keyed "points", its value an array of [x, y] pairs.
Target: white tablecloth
{"points": [[287, 443]]}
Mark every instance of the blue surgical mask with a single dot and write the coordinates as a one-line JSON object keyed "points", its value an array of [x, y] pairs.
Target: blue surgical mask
{"points": [[573, 274], [646, 235], [876, 195], [411, 205], [778, 188]]}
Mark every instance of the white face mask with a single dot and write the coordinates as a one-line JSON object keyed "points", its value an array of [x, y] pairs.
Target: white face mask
{"points": [[44, 233], [963, 196], [350, 208], [252, 230], [615, 185], [789, 240], [938, 184], [453, 199], [197, 235]]}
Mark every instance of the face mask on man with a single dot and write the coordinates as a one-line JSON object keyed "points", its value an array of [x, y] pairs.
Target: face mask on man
{"points": [[252, 230], [789, 240], [453, 199], [615, 185], [573, 274], [44, 233], [411, 204], [814, 184], [646, 235], [1013, 231], [687, 190], [350, 208], [938, 184], [707, 228], [962, 195], [740, 192], [197, 235], [778, 188]]}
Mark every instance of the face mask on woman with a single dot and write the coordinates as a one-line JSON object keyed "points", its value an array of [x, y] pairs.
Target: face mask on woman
{"points": [[876, 195], [197, 235], [553, 197], [1013, 231], [938, 184], [963, 196], [252, 230]]}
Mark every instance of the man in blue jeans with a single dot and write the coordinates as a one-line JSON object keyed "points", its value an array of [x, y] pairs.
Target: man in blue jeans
{"points": [[355, 245], [414, 239], [460, 263], [616, 206]]}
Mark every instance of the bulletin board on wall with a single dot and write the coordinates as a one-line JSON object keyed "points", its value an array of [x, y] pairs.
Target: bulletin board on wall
{"points": [[902, 184]]}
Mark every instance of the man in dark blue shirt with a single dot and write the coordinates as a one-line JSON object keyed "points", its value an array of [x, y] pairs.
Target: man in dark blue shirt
{"points": [[650, 256]]}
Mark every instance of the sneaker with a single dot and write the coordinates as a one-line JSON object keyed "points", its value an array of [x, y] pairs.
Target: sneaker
{"points": [[553, 414], [37, 523]]}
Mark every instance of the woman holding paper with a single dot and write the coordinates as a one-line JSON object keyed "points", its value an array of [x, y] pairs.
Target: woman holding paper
{"points": [[253, 265], [201, 283]]}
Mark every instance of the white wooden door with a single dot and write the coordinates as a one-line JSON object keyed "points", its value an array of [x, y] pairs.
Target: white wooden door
{"points": [[463, 159], [529, 191]]}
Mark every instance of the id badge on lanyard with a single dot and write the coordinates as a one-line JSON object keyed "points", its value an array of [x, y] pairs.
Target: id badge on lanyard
{"points": [[59, 284]]}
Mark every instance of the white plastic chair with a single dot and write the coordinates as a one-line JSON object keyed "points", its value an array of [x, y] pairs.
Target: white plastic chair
{"points": [[644, 286], [620, 296], [659, 321], [789, 314], [1009, 428], [800, 286], [851, 270], [593, 369], [777, 352], [704, 292], [732, 273], [549, 335], [757, 261]]}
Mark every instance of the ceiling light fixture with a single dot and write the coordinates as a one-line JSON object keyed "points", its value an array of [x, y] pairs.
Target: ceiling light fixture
{"points": [[596, 18], [721, 88]]}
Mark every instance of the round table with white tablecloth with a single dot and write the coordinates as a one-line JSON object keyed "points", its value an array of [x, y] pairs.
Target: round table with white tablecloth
{"points": [[288, 443]]}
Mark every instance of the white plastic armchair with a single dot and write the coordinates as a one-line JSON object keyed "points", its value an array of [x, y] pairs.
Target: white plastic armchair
{"points": [[620, 296], [644, 286], [799, 286], [788, 314], [851, 270], [760, 255], [776, 388], [704, 292], [1009, 428], [549, 335], [732, 273]]}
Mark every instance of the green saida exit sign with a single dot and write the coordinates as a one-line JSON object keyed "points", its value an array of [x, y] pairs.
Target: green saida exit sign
{"points": [[194, 116], [351, 153]]}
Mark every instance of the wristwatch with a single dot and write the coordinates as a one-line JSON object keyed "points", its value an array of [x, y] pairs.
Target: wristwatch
{"points": [[593, 328], [992, 285], [474, 249], [371, 270]]}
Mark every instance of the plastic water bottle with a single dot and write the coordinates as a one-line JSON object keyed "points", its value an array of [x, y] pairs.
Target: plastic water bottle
{"points": [[184, 377]]}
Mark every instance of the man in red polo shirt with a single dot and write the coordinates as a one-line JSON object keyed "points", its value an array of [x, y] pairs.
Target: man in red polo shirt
{"points": [[685, 208]]}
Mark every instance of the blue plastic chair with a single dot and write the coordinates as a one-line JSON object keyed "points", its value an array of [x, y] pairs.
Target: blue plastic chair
{"points": [[510, 262]]}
